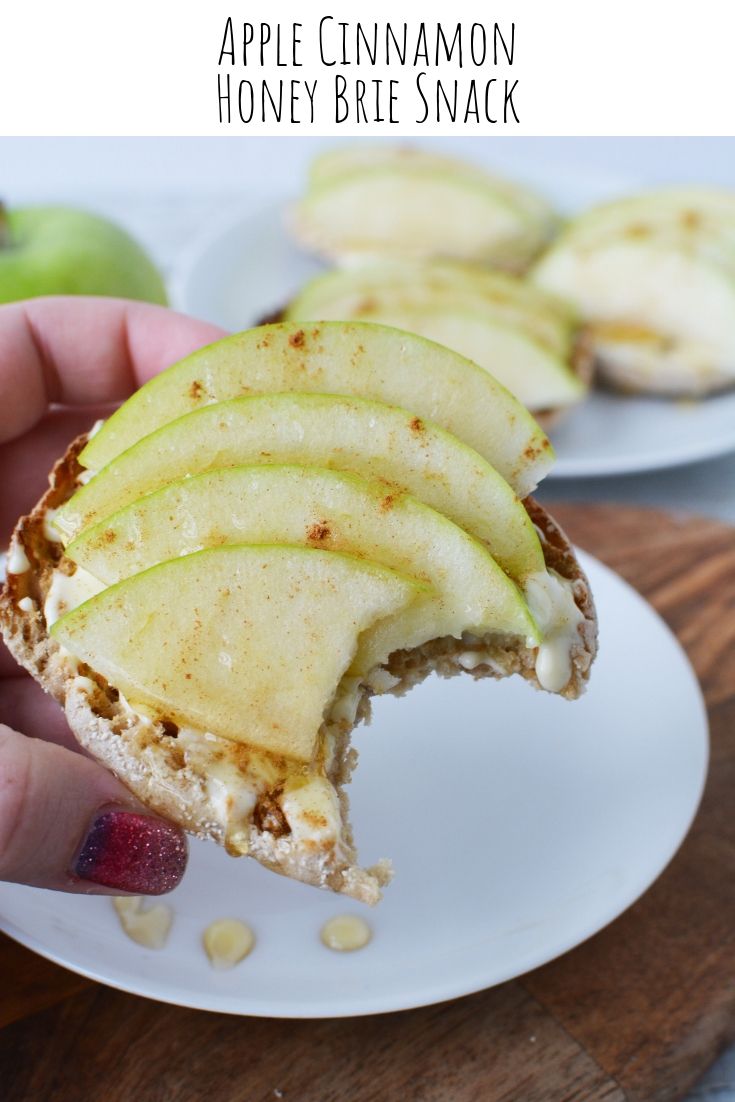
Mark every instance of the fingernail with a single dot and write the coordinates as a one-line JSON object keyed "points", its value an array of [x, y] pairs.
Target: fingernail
{"points": [[132, 853]]}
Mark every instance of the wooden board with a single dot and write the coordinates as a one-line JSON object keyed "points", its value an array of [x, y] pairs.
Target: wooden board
{"points": [[636, 1013]]}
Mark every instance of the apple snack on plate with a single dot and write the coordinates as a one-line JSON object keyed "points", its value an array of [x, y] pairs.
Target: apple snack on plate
{"points": [[378, 202], [653, 278], [269, 533], [525, 337]]}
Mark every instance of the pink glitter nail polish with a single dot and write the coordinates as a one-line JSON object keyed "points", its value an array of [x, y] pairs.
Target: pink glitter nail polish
{"points": [[132, 853]]}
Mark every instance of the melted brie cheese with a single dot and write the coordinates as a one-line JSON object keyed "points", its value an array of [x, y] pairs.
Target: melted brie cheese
{"points": [[551, 601], [49, 531], [17, 560], [67, 591]]}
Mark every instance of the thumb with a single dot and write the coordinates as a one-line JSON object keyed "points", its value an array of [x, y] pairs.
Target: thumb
{"points": [[66, 823]]}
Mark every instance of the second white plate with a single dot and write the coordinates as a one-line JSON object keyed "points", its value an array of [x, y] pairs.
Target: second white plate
{"points": [[246, 267], [519, 825]]}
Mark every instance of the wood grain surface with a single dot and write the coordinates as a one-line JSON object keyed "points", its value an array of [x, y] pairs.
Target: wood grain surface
{"points": [[635, 1013]]}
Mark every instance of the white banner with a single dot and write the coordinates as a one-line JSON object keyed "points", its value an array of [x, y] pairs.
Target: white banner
{"points": [[182, 67]]}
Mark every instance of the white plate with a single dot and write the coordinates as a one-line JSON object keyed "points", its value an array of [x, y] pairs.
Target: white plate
{"points": [[612, 434], [519, 825], [246, 267]]}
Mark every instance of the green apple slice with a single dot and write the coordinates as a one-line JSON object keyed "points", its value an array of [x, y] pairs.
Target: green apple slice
{"points": [[327, 509], [538, 378], [419, 208], [361, 294], [662, 318], [249, 643], [352, 434], [350, 159], [350, 358], [704, 244], [347, 159], [688, 212]]}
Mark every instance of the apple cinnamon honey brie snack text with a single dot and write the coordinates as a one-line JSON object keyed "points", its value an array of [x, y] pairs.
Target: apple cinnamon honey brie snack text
{"points": [[274, 530]]}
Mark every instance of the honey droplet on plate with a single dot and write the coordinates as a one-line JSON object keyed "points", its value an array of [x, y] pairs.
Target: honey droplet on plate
{"points": [[149, 926], [346, 933], [227, 941]]}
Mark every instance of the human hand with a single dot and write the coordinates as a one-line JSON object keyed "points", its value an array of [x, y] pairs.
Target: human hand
{"points": [[65, 822]]}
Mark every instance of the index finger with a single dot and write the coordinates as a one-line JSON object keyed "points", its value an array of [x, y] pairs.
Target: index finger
{"points": [[84, 351]]}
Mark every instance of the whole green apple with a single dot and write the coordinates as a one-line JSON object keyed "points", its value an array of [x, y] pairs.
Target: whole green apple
{"points": [[64, 251]]}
